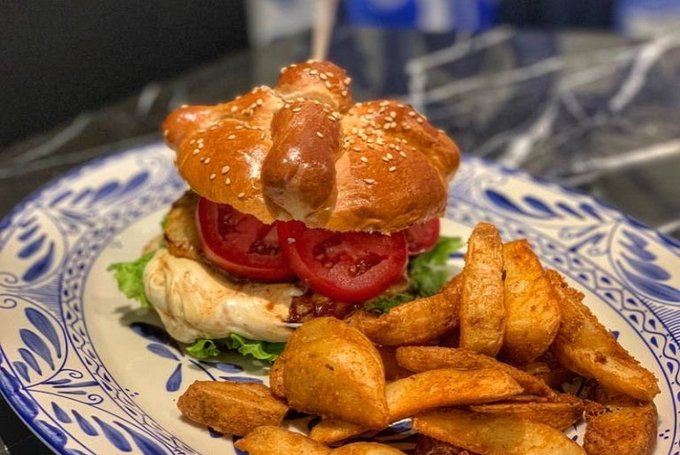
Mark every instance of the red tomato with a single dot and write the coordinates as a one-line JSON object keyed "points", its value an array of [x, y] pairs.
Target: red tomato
{"points": [[422, 237], [349, 267], [240, 243]]}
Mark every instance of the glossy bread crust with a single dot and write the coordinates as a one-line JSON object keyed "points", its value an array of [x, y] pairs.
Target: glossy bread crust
{"points": [[303, 150]]}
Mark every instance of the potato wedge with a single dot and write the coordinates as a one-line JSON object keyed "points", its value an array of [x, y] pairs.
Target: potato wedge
{"points": [[491, 434], [533, 310], [419, 321], [423, 358], [276, 378], [317, 329], [320, 328], [231, 407], [268, 440], [526, 398], [337, 374], [328, 431], [482, 310], [430, 446], [621, 426], [608, 397], [548, 369], [622, 431], [393, 371], [447, 387], [367, 448], [559, 414], [429, 389], [586, 347]]}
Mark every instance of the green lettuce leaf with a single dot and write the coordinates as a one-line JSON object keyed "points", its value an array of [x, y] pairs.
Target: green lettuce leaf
{"points": [[130, 278], [203, 349], [429, 272], [384, 304], [164, 221], [261, 350]]}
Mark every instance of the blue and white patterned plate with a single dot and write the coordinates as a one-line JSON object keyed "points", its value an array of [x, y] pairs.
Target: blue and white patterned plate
{"points": [[86, 371]]}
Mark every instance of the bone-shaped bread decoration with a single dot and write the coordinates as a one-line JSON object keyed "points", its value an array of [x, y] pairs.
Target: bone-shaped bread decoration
{"points": [[303, 150]]}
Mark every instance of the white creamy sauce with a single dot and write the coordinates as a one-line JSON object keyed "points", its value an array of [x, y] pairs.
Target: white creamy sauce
{"points": [[194, 302]]}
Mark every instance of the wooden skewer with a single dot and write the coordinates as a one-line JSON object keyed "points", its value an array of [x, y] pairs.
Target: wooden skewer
{"points": [[324, 19]]}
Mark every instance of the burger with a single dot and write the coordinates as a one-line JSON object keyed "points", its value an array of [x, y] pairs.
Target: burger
{"points": [[301, 204]]}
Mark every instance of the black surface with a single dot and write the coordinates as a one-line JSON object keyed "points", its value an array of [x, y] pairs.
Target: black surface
{"points": [[16, 436], [60, 58], [577, 13]]}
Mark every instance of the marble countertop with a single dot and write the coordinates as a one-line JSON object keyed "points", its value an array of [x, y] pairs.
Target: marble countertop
{"points": [[589, 110]]}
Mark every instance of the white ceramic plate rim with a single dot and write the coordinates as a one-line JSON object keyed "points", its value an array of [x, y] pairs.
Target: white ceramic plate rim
{"points": [[600, 237]]}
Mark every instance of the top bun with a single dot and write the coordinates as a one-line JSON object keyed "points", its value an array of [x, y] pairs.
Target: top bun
{"points": [[303, 150]]}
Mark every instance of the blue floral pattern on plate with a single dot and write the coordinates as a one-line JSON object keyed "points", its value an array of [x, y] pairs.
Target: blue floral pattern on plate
{"points": [[89, 374]]}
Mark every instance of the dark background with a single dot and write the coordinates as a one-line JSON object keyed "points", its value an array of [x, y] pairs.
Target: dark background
{"points": [[59, 58]]}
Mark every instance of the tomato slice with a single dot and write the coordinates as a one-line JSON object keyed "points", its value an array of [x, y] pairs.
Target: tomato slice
{"points": [[240, 243], [422, 237], [349, 267]]}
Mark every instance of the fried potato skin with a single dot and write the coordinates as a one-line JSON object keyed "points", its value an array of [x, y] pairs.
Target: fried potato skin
{"points": [[320, 328], [586, 347], [549, 370], [367, 448], [621, 426], [328, 431], [447, 387], [429, 389], [276, 378], [624, 431], [430, 446], [231, 407], [482, 310], [393, 371], [560, 414], [335, 371], [494, 435], [423, 358], [269, 440], [419, 321], [533, 310], [310, 332]]}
